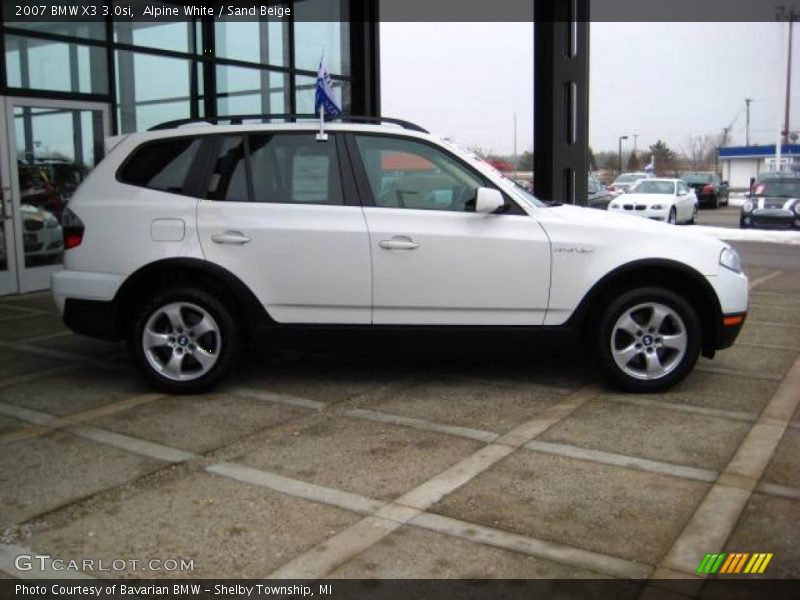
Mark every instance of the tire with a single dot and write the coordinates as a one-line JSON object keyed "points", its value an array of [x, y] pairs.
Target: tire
{"points": [[715, 203], [672, 219], [639, 360], [170, 349]]}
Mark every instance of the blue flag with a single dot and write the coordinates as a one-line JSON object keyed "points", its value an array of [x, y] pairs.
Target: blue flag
{"points": [[323, 97]]}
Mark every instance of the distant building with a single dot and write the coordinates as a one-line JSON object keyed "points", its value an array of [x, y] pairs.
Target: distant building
{"points": [[740, 163]]}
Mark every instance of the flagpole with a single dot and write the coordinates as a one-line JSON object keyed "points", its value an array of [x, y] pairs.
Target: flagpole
{"points": [[322, 136]]}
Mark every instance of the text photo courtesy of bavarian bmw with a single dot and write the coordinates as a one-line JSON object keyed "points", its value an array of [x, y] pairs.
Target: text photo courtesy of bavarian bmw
{"points": [[193, 239]]}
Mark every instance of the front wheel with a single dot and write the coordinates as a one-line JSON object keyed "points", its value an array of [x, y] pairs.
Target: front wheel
{"points": [[649, 340], [185, 341], [673, 216]]}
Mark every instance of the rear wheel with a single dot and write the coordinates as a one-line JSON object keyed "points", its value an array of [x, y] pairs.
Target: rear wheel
{"points": [[185, 341], [649, 340]]}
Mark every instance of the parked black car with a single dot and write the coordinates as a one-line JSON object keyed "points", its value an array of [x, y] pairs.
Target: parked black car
{"points": [[599, 196], [774, 203], [708, 187]]}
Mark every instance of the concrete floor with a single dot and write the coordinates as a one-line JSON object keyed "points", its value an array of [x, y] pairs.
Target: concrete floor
{"points": [[401, 467]]}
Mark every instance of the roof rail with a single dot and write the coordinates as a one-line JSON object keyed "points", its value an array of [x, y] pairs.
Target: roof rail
{"points": [[238, 119]]}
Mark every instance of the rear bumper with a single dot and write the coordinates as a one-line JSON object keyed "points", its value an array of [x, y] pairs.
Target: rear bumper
{"points": [[86, 302], [94, 318]]}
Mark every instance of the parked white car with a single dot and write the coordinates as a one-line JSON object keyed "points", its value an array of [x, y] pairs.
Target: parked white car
{"points": [[624, 181], [191, 241], [669, 200]]}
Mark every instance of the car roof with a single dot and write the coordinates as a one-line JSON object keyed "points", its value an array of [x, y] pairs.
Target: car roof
{"points": [[306, 126], [782, 176]]}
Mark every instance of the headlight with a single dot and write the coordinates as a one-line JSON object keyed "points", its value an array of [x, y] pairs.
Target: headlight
{"points": [[729, 258], [748, 206], [657, 207]]}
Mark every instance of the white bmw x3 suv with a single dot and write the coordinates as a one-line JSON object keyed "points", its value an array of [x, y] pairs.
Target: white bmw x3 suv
{"points": [[192, 239]]}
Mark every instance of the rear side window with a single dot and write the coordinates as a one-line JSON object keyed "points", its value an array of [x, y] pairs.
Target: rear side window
{"points": [[162, 165]]}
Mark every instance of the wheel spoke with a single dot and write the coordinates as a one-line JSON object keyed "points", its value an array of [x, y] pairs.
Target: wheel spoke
{"points": [[625, 355], [660, 313], [153, 339], [205, 358], [654, 366], [173, 312], [174, 364], [628, 325], [676, 342], [203, 327]]}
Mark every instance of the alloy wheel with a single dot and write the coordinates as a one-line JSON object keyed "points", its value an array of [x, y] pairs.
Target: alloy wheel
{"points": [[648, 341], [181, 341]]}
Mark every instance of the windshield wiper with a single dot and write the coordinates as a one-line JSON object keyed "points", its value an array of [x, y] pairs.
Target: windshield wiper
{"points": [[553, 203]]}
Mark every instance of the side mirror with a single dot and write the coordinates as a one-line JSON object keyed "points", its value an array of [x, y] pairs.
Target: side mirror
{"points": [[488, 200]]}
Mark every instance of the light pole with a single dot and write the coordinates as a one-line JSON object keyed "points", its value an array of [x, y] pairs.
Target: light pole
{"points": [[791, 17], [747, 101], [622, 137]]}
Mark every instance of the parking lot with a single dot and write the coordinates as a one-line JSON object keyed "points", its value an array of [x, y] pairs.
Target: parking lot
{"points": [[423, 466]]}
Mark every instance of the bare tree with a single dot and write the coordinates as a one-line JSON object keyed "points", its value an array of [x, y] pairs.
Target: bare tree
{"points": [[700, 151]]}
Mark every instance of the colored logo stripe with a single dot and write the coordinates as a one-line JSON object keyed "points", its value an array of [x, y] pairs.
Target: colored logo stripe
{"points": [[737, 562]]}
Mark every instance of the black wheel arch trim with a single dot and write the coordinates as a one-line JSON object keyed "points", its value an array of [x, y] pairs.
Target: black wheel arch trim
{"points": [[220, 280], [712, 323]]}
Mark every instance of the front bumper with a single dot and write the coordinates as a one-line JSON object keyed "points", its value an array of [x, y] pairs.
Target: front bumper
{"points": [[728, 330], [772, 218], [733, 295], [644, 212]]}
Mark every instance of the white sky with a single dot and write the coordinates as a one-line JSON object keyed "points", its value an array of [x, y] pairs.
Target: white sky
{"points": [[660, 80]]}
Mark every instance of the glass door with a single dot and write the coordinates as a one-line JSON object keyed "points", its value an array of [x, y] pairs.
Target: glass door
{"points": [[52, 146]]}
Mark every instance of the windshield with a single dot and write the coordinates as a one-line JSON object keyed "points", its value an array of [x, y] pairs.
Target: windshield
{"points": [[648, 186], [528, 197], [628, 178], [780, 189], [698, 178]]}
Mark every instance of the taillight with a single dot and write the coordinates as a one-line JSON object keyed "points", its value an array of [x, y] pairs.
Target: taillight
{"points": [[708, 189], [73, 229]]}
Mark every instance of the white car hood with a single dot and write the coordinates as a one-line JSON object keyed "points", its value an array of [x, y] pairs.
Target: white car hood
{"points": [[630, 225]]}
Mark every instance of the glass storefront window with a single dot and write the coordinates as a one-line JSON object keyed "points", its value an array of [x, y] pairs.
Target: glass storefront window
{"points": [[322, 26], [94, 30], [178, 37], [263, 42], [145, 100], [251, 91], [55, 66], [312, 39], [305, 90]]}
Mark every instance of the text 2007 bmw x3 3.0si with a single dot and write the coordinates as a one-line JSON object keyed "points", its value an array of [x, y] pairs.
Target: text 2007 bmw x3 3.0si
{"points": [[192, 239]]}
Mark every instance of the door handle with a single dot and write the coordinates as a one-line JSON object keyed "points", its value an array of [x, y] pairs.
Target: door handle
{"points": [[230, 237], [399, 243]]}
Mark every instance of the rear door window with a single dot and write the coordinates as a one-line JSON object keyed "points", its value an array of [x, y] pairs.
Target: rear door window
{"points": [[294, 169]]}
